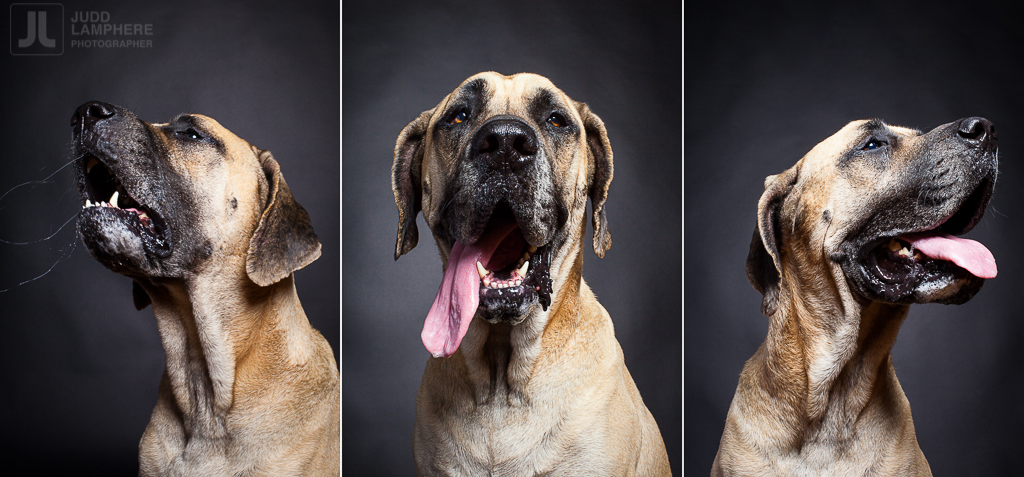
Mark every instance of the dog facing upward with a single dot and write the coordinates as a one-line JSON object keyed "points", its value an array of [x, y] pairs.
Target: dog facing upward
{"points": [[209, 232], [861, 227]]}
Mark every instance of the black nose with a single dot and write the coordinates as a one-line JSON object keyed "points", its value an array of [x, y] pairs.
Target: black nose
{"points": [[979, 132], [92, 112], [505, 143]]}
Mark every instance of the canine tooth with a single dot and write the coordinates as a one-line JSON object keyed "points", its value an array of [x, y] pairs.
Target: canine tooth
{"points": [[522, 270], [113, 199], [480, 269], [89, 165], [532, 249]]}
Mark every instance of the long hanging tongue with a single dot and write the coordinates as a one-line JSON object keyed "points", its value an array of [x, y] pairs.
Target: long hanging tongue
{"points": [[459, 294], [967, 254]]}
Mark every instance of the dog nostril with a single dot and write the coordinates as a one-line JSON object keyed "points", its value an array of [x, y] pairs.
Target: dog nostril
{"points": [[524, 146], [100, 111], [488, 144], [976, 129], [92, 112], [505, 142]]}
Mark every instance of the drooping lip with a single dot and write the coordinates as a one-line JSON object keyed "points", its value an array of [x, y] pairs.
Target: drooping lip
{"points": [[960, 222], [103, 192], [468, 289], [904, 265]]}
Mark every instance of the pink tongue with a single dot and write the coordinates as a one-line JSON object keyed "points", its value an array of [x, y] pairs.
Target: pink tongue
{"points": [[968, 254], [459, 294]]}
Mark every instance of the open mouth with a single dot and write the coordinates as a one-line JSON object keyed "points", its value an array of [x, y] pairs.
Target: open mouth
{"points": [[106, 197], [516, 271], [499, 275], [917, 264]]}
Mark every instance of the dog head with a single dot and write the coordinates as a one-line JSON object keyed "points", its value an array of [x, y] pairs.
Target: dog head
{"points": [[885, 205], [502, 169], [161, 200]]}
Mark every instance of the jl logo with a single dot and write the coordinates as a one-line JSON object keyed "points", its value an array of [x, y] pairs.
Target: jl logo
{"points": [[37, 29]]}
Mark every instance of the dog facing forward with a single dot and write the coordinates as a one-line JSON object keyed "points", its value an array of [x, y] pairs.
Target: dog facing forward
{"points": [[526, 376], [861, 227], [207, 228]]}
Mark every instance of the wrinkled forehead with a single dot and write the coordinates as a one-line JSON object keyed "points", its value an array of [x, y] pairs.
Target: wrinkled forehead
{"points": [[220, 137], [199, 123], [852, 136], [856, 131], [493, 93]]}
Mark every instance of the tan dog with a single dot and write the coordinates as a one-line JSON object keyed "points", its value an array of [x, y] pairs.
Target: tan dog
{"points": [[207, 228], [850, 236], [527, 377]]}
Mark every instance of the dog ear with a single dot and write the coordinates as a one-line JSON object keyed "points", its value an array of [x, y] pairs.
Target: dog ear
{"points": [[284, 240], [405, 181], [599, 151], [764, 270]]}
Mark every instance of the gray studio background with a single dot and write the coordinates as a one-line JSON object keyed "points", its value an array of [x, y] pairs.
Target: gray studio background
{"points": [[79, 366], [623, 59], [764, 84]]}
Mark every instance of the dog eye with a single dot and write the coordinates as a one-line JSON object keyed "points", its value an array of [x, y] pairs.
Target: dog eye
{"points": [[189, 133], [557, 120], [873, 144], [459, 117]]}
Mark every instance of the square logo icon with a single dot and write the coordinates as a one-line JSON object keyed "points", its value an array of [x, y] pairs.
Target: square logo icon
{"points": [[37, 29]]}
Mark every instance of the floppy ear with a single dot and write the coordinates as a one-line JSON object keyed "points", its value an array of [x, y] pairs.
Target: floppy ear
{"points": [[284, 240], [764, 270], [599, 152], [405, 181]]}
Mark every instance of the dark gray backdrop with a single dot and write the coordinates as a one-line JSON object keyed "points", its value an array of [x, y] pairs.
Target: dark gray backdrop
{"points": [[79, 366], [623, 59], [765, 83]]}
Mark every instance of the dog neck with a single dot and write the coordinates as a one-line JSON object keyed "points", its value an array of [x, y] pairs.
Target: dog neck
{"points": [[217, 340], [826, 360]]}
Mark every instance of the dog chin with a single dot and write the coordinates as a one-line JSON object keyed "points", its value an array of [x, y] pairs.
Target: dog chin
{"points": [[112, 241], [508, 308], [929, 281]]}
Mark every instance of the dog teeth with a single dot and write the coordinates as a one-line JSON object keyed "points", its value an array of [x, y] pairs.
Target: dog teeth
{"points": [[532, 249], [113, 199], [489, 281], [904, 252], [894, 245], [92, 163]]}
